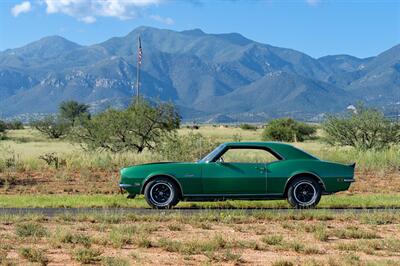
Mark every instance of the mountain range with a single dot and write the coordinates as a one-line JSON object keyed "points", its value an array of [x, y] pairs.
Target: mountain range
{"points": [[210, 77]]}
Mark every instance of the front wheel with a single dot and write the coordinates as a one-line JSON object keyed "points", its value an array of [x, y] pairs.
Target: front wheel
{"points": [[304, 192], [161, 193]]}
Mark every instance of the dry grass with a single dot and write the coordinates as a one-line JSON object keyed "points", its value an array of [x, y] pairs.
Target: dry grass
{"points": [[127, 239], [22, 171]]}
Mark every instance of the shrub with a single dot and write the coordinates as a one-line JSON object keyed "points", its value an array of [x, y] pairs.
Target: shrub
{"points": [[52, 158], [54, 127], [3, 128], [248, 127], [190, 147], [367, 128], [15, 125], [287, 129], [138, 127]]}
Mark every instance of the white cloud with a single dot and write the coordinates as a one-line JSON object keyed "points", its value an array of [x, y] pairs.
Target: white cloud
{"points": [[313, 2], [88, 10], [88, 19], [24, 7], [164, 20]]}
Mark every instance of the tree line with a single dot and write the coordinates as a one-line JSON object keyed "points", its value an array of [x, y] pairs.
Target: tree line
{"points": [[144, 125]]}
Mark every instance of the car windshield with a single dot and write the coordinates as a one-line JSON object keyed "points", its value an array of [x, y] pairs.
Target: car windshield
{"points": [[212, 154]]}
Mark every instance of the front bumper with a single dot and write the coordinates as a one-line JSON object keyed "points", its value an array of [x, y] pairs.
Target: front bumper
{"points": [[132, 189], [124, 186]]}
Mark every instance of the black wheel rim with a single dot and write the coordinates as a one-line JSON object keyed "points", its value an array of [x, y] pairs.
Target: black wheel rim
{"points": [[161, 193], [305, 193]]}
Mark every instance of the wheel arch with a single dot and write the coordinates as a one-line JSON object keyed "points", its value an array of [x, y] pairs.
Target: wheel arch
{"points": [[169, 176], [312, 175]]}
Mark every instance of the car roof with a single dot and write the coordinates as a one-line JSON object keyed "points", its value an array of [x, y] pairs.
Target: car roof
{"points": [[288, 152]]}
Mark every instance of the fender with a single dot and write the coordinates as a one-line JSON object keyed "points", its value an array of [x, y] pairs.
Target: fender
{"points": [[160, 174], [297, 173]]}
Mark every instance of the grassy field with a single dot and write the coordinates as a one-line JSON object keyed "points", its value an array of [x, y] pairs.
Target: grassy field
{"points": [[27, 145], [213, 237], [221, 238], [81, 172]]}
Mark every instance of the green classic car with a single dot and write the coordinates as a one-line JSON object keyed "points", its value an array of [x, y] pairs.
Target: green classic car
{"points": [[240, 170]]}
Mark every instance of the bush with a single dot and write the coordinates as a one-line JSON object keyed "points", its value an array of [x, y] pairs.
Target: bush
{"points": [[287, 129], [367, 128], [54, 127], [191, 147], [3, 128], [15, 125], [248, 127], [138, 127]]}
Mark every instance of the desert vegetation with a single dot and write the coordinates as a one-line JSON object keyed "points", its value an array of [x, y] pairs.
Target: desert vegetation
{"points": [[288, 130], [79, 168], [364, 129], [86, 160], [222, 237]]}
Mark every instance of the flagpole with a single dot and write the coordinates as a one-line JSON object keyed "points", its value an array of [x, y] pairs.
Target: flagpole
{"points": [[139, 58]]}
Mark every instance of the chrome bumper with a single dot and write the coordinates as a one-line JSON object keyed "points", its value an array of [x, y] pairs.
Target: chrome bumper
{"points": [[127, 185]]}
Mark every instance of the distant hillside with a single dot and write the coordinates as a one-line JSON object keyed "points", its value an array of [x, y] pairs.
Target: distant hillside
{"points": [[210, 77]]}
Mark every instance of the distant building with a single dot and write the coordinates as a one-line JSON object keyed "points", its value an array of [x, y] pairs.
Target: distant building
{"points": [[351, 108]]}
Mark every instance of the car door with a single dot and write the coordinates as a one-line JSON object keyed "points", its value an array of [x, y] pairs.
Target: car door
{"points": [[226, 178]]}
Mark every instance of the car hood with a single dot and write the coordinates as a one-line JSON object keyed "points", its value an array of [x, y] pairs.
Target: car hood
{"points": [[144, 170]]}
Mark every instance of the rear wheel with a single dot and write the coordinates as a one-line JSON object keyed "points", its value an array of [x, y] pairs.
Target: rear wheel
{"points": [[304, 192], [161, 193]]}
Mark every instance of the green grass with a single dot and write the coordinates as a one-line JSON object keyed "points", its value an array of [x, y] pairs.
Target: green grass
{"points": [[106, 201], [31, 229], [272, 239], [75, 238], [86, 255], [34, 255]]}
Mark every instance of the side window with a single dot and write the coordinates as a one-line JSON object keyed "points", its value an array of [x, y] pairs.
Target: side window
{"points": [[248, 156]]}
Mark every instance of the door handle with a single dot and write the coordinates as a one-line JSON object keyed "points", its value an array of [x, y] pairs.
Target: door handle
{"points": [[261, 168]]}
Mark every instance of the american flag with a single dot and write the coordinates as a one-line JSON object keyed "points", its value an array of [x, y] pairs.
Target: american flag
{"points": [[140, 52]]}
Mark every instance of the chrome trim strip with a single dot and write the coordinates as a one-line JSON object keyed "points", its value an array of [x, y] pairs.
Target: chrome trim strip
{"points": [[349, 180], [229, 195], [127, 185]]}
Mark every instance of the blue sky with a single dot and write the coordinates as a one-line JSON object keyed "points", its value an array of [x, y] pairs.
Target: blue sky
{"points": [[316, 27]]}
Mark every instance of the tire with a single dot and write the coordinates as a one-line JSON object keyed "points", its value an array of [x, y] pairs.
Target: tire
{"points": [[161, 193], [304, 193]]}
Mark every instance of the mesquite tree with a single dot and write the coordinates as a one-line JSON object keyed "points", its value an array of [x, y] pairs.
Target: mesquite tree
{"points": [[136, 128], [366, 128]]}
